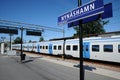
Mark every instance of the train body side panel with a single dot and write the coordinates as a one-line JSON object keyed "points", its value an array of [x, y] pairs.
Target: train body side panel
{"points": [[69, 47], [55, 45], [27, 47], [43, 48], [111, 56]]}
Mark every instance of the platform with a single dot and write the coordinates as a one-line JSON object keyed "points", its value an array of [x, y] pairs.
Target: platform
{"points": [[40, 68]]}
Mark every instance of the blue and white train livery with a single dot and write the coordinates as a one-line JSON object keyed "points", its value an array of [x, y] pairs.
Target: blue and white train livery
{"points": [[96, 48]]}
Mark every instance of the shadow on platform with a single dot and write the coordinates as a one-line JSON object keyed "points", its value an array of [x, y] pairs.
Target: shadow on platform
{"points": [[86, 67], [26, 61], [30, 59]]}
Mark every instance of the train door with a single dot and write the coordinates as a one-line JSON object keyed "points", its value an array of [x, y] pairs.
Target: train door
{"points": [[50, 49], [86, 50], [38, 48]]}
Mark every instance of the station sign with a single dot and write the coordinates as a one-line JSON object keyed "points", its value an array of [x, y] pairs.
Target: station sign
{"points": [[33, 33], [90, 9], [8, 30], [107, 14]]}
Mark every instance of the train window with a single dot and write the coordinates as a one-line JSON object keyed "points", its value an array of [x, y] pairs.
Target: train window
{"points": [[55, 47], [75, 47], [119, 48], [86, 47], [68, 47], [59, 47], [95, 48], [40, 47], [46, 47], [108, 48], [43, 47]]}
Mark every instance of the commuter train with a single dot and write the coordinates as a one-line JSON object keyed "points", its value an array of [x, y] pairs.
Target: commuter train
{"points": [[95, 48]]}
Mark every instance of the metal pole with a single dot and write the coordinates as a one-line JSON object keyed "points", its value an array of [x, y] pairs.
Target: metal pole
{"points": [[63, 32], [81, 51], [63, 55], [79, 3], [81, 46], [10, 41], [21, 43]]}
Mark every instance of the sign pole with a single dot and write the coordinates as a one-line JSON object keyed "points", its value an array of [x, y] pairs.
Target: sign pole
{"points": [[81, 50], [81, 46]]}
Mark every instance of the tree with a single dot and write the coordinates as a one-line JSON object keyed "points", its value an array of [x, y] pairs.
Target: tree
{"points": [[17, 40], [41, 39], [30, 41], [94, 27]]}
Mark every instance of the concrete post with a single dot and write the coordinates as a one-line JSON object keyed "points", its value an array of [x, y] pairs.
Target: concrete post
{"points": [[2, 48]]}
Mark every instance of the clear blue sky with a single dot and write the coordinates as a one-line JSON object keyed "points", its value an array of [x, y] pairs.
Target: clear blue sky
{"points": [[46, 12]]}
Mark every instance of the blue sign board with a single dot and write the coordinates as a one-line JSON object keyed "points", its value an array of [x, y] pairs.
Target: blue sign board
{"points": [[92, 8], [107, 14]]}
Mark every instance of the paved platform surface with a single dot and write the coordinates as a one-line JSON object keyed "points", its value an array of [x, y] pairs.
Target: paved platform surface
{"points": [[39, 68], [105, 72]]}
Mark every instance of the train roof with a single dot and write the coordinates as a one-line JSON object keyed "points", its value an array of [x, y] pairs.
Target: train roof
{"points": [[115, 34]]}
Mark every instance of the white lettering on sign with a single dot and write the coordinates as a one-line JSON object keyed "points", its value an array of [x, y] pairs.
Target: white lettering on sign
{"points": [[79, 11]]}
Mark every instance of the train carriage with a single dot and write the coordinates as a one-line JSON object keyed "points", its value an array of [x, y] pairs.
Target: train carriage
{"points": [[106, 49], [44, 47], [57, 47], [30, 46], [25, 47], [72, 48], [96, 48]]}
